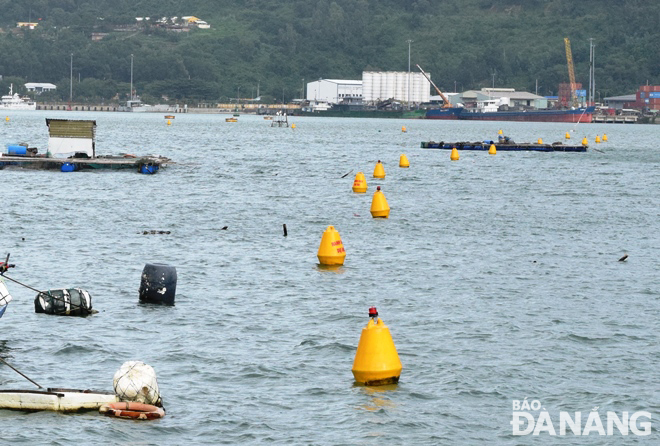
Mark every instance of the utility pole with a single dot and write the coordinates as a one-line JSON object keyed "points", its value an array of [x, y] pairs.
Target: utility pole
{"points": [[409, 42], [131, 77], [71, 82]]}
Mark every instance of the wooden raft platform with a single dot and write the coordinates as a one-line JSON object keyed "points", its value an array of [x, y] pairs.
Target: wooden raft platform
{"points": [[99, 162], [504, 146]]}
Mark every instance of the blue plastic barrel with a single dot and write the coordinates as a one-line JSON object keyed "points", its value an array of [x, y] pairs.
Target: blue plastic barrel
{"points": [[16, 150], [68, 167], [148, 169], [158, 284]]}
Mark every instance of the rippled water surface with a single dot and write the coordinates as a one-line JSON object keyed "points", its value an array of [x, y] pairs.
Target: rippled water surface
{"points": [[497, 275]]}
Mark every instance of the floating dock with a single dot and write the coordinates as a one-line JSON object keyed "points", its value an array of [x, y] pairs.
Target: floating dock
{"points": [[72, 147], [143, 164], [504, 146]]}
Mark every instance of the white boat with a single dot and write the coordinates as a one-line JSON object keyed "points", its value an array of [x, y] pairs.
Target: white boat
{"points": [[13, 101], [135, 105], [59, 400]]}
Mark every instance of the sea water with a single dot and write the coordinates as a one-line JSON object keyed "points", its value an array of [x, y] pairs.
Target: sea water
{"points": [[498, 276]]}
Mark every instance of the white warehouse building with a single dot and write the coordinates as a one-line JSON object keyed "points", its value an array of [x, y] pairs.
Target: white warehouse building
{"points": [[398, 85], [335, 91]]}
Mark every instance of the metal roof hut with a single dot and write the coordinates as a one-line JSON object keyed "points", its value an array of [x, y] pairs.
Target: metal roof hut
{"points": [[68, 137]]}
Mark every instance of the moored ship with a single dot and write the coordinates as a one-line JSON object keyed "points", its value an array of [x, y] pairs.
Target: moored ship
{"points": [[584, 114], [13, 101]]}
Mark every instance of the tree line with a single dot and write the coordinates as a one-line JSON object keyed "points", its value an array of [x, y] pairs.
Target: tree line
{"points": [[273, 47]]}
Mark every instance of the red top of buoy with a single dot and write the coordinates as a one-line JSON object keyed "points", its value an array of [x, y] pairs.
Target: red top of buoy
{"points": [[373, 312], [379, 161], [378, 188]]}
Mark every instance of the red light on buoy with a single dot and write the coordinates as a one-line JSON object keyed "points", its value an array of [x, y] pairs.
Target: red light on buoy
{"points": [[373, 312], [378, 188]]}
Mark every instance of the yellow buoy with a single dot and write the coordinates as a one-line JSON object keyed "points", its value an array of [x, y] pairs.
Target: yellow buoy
{"points": [[492, 150], [169, 122], [597, 139], [293, 126], [376, 359], [540, 141], [584, 141], [331, 250], [7, 118], [379, 206], [403, 161], [604, 137], [359, 183], [379, 170], [454, 155], [568, 135], [499, 132], [403, 129]]}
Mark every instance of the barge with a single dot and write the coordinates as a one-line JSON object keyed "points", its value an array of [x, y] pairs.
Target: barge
{"points": [[504, 146]]}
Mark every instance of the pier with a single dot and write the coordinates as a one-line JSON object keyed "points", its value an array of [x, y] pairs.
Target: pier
{"points": [[140, 164]]}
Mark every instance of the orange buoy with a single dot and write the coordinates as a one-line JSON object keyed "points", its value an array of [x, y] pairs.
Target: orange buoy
{"points": [[134, 411]]}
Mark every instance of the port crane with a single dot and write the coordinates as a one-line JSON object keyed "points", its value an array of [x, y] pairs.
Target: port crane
{"points": [[571, 71], [444, 98]]}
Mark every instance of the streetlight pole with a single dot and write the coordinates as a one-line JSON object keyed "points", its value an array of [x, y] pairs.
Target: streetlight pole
{"points": [[409, 42], [131, 77], [302, 94]]}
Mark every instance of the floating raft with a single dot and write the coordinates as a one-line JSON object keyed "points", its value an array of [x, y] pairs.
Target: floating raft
{"points": [[139, 163], [506, 146], [60, 400]]}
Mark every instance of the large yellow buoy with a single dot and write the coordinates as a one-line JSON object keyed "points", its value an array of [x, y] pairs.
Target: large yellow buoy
{"points": [[379, 170], [584, 141], [376, 359], [568, 135], [454, 155], [597, 139], [359, 183], [604, 137], [540, 141], [403, 129], [492, 150], [403, 161], [379, 206], [331, 250]]}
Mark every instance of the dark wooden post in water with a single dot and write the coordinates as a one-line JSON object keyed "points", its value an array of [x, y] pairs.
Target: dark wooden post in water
{"points": [[284, 227]]}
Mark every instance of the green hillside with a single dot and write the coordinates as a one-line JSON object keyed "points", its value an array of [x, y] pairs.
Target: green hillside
{"points": [[272, 46]]}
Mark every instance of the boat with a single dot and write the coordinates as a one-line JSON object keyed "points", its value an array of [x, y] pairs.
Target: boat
{"points": [[268, 118], [135, 105], [13, 101], [583, 114], [231, 120], [59, 400]]}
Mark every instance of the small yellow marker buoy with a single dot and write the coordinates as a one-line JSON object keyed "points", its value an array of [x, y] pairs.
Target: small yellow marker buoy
{"points": [[604, 137], [499, 132], [169, 122], [568, 135], [331, 250], [403, 161], [454, 155], [379, 170], [293, 126], [403, 129], [360, 183], [540, 141], [7, 119], [584, 141], [379, 206], [376, 359], [597, 139], [492, 150]]}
